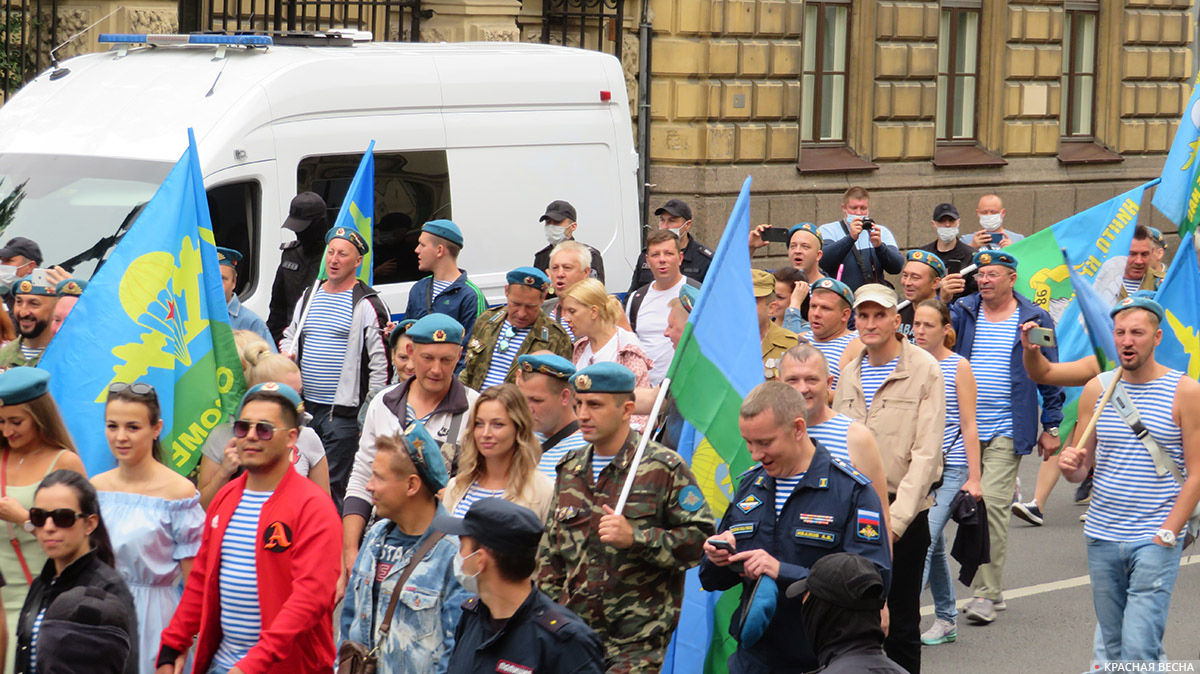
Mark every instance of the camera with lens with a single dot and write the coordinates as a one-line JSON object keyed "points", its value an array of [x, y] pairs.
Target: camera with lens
{"points": [[867, 224]]}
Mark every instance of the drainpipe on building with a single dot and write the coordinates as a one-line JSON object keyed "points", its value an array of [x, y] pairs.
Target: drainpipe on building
{"points": [[643, 103]]}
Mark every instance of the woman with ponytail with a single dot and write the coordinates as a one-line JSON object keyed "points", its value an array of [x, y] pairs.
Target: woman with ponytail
{"points": [[154, 512]]}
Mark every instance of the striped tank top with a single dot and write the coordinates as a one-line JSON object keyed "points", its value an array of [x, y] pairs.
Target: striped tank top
{"points": [[548, 464], [326, 331], [954, 450], [833, 350], [991, 358], [832, 434], [474, 493]]}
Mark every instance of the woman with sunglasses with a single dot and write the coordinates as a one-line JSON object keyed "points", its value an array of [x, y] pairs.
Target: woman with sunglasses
{"points": [[154, 513], [66, 519], [33, 442], [499, 456]]}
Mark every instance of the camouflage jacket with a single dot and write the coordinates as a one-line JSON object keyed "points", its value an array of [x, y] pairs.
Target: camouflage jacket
{"points": [[11, 356], [544, 334], [630, 597]]}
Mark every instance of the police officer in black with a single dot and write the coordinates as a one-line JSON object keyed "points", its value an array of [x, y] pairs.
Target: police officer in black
{"points": [[676, 216], [511, 626], [798, 506], [300, 260]]}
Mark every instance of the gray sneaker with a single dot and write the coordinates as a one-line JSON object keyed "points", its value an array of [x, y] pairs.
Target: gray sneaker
{"points": [[940, 632], [999, 605], [980, 611]]}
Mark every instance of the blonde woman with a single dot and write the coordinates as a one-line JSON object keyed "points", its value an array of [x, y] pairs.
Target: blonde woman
{"points": [[499, 456]]}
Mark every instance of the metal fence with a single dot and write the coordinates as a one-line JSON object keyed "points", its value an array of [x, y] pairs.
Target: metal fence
{"points": [[591, 24], [387, 20], [28, 31]]}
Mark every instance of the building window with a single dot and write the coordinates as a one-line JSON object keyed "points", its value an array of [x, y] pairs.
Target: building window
{"points": [[958, 74], [825, 78], [1078, 73]]}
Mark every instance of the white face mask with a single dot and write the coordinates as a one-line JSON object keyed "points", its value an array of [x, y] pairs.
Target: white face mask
{"points": [[470, 583], [947, 234], [555, 234], [991, 222]]}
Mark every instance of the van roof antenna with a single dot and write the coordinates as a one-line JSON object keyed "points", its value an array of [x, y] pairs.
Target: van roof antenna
{"points": [[54, 60]]}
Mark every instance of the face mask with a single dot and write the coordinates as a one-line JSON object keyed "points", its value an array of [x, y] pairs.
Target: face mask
{"points": [[947, 234], [555, 234], [470, 583], [855, 218], [991, 222], [8, 275]]}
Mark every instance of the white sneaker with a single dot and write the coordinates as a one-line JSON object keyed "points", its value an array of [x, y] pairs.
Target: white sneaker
{"points": [[940, 632]]}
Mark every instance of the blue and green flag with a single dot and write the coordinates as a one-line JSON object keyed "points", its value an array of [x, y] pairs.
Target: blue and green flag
{"points": [[358, 212], [1179, 295], [1178, 196]]}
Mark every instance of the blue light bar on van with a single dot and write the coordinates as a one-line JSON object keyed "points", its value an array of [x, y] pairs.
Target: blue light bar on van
{"points": [[165, 39]]}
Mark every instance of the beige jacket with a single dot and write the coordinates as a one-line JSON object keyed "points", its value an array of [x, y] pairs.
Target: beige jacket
{"points": [[538, 494], [907, 416]]}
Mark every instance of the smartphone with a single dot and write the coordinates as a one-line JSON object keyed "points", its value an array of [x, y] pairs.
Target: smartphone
{"points": [[1042, 337], [775, 235], [997, 237], [722, 544]]}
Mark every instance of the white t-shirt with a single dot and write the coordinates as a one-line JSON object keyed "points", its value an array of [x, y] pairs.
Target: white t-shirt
{"points": [[652, 323], [608, 352]]}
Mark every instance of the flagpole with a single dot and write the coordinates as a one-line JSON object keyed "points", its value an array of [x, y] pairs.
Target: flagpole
{"points": [[969, 269], [637, 457]]}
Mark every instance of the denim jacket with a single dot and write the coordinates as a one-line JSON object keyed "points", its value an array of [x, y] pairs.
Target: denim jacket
{"points": [[422, 633]]}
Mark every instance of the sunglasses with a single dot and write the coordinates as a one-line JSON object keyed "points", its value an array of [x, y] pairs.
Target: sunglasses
{"points": [[506, 335], [62, 517], [263, 430], [136, 388]]}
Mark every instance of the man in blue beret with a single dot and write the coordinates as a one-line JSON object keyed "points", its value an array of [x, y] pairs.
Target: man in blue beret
{"points": [[240, 317], [403, 552], [68, 291], [338, 339], [432, 396], [446, 290], [520, 327], [621, 572], [829, 311], [920, 279], [34, 301], [1140, 269], [544, 381]]}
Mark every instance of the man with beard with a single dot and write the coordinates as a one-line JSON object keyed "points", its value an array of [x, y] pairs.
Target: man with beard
{"points": [[33, 309]]}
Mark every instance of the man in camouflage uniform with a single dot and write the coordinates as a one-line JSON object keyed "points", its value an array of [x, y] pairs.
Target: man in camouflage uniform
{"points": [[623, 574], [33, 311], [505, 333]]}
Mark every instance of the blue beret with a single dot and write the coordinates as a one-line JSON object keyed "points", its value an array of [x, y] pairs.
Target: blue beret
{"points": [[282, 390], [71, 287], [228, 256], [760, 612], [928, 258], [547, 364], [436, 329], [529, 276], [806, 227], [26, 286], [1156, 234], [400, 330], [1139, 301], [445, 229], [349, 234], [426, 455], [986, 257], [837, 287], [22, 384], [604, 377], [688, 295]]}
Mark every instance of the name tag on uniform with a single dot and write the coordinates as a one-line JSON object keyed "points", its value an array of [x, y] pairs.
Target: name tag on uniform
{"points": [[506, 667], [742, 530], [816, 536]]}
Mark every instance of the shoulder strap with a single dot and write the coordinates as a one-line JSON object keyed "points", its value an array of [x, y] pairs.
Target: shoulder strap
{"points": [[635, 303], [431, 541], [455, 424], [1129, 414], [854, 249]]}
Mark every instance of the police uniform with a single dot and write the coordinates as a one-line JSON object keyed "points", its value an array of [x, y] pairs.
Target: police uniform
{"points": [[299, 261], [834, 508], [778, 339]]}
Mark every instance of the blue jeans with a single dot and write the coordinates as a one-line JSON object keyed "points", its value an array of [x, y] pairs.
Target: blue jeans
{"points": [[1131, 590], [937, 564]]}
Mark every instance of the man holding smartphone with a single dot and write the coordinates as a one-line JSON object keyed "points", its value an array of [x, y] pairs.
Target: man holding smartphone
{"points": [[953, 252], [992, 235]]}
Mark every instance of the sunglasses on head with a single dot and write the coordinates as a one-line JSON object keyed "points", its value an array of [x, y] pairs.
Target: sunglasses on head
{"points": [[136, 388], [62, 517], [263, 430]]}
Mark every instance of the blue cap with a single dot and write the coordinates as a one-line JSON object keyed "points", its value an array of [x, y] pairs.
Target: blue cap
{"points": [[837, 287], [547, 364], [426, 455], [806, 227], [1139, 301], [688, 295], [26, 286], [445, 229], [436, 329], [22, 384], [529, 276], [604, 377], [70, 287], [987, 257], [349, 234], [281, 390], [228, 257], [760, 611], [400, 330], [928, 258]]}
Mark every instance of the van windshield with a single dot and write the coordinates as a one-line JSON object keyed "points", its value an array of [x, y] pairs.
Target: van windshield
{"points": [[75, 208]]}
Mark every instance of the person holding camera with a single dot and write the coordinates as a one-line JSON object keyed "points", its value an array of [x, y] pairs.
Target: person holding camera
{"points": [[860, 248]]}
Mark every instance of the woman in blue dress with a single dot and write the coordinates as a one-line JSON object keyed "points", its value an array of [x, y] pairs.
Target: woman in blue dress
{"points": [[153, 513]]}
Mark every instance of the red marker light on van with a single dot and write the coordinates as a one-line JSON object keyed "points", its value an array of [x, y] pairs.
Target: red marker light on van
{"points": [[605, 95]]}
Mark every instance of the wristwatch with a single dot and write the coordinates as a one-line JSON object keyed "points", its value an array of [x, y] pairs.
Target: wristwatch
{"points": [[1053, 430], [1167, 536]]}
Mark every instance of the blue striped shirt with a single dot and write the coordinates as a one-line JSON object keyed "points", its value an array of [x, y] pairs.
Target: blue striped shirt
{"points": [[33, 637], [475, 493], [872, 377], [832, 434], [991, 357], [439, 287], [241, 620], [599, 463], [549, 462], [1131, 285], [833, 350], [954, 450], [784, 486], [326, 331], [1130, 501], [502, 360]]}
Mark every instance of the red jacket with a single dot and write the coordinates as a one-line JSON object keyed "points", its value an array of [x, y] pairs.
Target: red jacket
{"points": [[298, 563]]}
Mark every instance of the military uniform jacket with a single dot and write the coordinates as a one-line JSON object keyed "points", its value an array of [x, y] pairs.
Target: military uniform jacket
{"points": [[544, 334], [1151, 281], [834, 508], [777, 341], [630, 597], [540, 638], [11, 356], [696, 258]]}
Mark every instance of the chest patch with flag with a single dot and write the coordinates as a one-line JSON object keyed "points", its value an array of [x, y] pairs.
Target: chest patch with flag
{"points": [[867, 527]]}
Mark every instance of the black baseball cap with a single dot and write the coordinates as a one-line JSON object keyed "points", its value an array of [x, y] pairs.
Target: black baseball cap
{"points": [[497, 524], [944, 211], [845, 580], [559, 210], [306, 208], [19, 245], [677, 208]]}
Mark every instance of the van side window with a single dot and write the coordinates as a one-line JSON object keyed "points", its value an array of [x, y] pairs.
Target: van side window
{"points": [[411, 188], [235, 219]]}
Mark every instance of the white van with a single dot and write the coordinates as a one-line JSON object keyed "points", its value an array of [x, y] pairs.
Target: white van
{"points": [[484, 134]]}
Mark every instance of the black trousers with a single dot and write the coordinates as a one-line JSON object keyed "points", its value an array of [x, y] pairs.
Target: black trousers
{"points": [[903, 643]]}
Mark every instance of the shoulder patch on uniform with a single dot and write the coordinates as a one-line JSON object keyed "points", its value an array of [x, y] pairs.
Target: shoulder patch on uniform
{"points": [[851, 471], [749, 503], [705, 251], [746, 472], [690, 498], [867, 526], [552, 620]]}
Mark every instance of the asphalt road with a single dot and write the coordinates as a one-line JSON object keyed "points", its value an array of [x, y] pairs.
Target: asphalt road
{"points": [[1049, 623]]}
